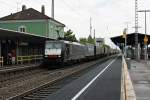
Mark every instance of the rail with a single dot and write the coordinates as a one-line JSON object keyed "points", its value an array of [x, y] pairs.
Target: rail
{"points": [[29, 59], [1, 61], [127, 91]]}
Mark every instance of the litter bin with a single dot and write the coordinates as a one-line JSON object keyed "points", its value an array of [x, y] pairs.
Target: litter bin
{"points": [[128, 61]]}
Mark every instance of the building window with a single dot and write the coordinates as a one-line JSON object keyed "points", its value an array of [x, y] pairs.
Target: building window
{"points": [[22, 29]]}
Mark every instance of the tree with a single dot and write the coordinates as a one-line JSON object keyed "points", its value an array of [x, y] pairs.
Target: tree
{"points": [[69, 36], [87, 40], [83, 40], [91, 40]]}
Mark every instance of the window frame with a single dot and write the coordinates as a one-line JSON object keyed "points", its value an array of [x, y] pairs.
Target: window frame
{"points": [[22, 28]]}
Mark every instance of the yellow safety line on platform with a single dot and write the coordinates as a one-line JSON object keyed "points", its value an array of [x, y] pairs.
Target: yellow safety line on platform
{"points": [[128, 91]]}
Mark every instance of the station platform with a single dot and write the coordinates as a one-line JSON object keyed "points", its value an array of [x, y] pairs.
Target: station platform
{"points": [[140, 76]]}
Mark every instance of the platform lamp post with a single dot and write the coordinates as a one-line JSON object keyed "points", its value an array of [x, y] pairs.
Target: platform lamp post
{"points": [[125, 39], [125, 33], [145, 38]]}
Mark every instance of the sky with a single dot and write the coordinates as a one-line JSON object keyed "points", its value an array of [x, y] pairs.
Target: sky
{"points": [[109, 17]]}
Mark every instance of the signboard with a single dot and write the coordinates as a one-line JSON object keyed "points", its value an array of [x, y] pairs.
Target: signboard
{"points": [[124, 33], [145, 39], [23, 44]]}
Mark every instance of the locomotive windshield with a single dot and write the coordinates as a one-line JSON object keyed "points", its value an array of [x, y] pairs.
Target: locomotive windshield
{"points": [[53, 45], [57, 45], [53, 48]]}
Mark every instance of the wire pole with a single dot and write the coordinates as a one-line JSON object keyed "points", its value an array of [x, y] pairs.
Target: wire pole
{"points": [[90, 26], [17, 6], [136, 31], [136, 16], [127, 28], [52, 10], [94, 33], [125, 41], [94, 38], [126, 46]]}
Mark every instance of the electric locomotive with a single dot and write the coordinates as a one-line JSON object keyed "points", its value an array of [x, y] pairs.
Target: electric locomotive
{"points": [[63, 52]]}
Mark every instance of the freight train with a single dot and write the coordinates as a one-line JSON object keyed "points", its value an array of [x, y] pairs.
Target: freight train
{"points": [[67, 52]]}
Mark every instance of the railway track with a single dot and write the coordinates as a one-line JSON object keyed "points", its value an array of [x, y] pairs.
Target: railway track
{"points": [[52, 86], [14, 75], [17, 76], [10, 79], [24, 83]]}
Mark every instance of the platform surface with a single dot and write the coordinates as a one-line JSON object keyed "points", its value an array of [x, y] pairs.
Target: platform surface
{"points": [[140, 76]]}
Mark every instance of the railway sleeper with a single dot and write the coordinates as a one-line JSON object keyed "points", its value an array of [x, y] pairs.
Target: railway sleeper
{"points": [[52, 89], [37, 96], [43, 92], [30, 98], [40, 94], [49, 90]]}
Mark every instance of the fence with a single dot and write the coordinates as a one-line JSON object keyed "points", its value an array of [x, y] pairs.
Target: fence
{"points": [[29, 59]]}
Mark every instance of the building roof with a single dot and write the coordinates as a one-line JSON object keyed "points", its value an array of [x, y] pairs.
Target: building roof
{"points": [[130, 39], [28, 14], [14, 35], [99, 39]]}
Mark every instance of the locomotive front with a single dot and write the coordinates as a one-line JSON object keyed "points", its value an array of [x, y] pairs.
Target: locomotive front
{"points": [[53, 52]]}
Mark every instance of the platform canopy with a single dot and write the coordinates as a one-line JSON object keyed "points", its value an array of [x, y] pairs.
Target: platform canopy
{"points": [[15, 35], [117, 40]]}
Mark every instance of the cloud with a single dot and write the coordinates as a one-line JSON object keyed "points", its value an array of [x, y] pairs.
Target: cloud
{"points": [[76, 14]]}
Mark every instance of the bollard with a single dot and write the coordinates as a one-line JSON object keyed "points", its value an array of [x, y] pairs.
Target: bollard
{"points": [[128, 60]]}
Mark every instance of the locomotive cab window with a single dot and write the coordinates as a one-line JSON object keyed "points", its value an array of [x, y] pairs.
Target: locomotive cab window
{"points": [[49, 46], [53, 45], [57, 46]]}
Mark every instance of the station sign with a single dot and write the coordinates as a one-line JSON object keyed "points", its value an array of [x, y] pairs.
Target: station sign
{"points": [[145, 39], [23, 44]]}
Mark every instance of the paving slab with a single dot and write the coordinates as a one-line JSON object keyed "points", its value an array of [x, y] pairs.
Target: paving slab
{"points": [[140, 76]]}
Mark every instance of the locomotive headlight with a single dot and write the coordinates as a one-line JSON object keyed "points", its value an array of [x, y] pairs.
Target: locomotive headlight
{"points": [[59, 56]]}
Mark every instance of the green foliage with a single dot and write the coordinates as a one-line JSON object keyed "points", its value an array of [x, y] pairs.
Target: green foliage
{"points": [[69, 36], [87, 40], [83, 40], [91, 40]]}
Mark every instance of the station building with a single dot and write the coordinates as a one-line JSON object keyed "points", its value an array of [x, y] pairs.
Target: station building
{"points": [[99, 41], [23, 34], [131, 45]]}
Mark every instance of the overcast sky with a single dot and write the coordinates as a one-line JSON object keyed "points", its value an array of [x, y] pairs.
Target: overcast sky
{"points": [[108, 16]]}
